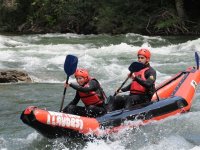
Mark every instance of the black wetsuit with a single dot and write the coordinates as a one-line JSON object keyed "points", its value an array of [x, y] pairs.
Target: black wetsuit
{"points": [[127, 101], [91, 110]]}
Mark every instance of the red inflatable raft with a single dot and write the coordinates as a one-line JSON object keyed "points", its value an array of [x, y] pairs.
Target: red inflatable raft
{"points": [[173, 96]]}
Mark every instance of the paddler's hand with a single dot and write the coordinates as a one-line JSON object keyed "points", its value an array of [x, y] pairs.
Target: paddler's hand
{"points": [[66, 85], [133, 76], [129, 75], [118, 91]]}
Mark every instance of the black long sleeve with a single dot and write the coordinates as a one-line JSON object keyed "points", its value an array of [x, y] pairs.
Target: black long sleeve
{"points": [[75, 100], [92, 86], [127, 88]]}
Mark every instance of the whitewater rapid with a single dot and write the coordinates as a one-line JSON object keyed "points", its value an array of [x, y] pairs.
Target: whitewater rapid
{"points": [[107, 58]]}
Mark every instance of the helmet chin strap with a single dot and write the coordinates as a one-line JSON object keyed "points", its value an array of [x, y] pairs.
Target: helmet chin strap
{"points": [[147, 62]]}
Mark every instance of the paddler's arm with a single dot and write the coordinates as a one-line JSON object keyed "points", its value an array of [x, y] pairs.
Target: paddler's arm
{"points": [[92, 86], [151, 77], [148, 83], [75, 100], [127, 88]]}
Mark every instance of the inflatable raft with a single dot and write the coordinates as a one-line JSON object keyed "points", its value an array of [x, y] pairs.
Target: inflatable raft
{"points": [[172, 97]]}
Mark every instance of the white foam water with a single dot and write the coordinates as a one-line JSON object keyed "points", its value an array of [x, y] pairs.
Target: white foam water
{"points": [[107, 58]]}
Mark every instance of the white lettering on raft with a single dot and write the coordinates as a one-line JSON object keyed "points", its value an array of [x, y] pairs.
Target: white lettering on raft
{"points": [[64, 120], [194, 84]]}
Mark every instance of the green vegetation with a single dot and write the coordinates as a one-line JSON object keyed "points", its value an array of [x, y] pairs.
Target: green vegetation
{"points": [[150, 17]]}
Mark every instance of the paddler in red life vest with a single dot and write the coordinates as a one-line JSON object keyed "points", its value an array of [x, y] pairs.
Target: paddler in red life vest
{"points": [[90, 92], [141, 88]]}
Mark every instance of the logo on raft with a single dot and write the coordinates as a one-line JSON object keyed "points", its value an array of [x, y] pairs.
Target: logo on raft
{"points": [[64, 120], [194, 84]]}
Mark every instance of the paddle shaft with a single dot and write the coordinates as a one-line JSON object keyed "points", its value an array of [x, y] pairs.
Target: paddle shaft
{"points": [[63, 98], [197, 59], [121, 86], [134, 67], [70, 66]]}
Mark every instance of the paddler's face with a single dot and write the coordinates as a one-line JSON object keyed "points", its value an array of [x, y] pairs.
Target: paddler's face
{"points": [[142, 59], [80, 80]]}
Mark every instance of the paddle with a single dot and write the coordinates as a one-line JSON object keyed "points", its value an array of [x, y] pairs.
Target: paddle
{"points": [[197, 59], [134, 67], [70, 66]]}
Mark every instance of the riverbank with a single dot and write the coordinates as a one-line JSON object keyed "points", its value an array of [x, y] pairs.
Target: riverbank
{"points": [[173, 17]]}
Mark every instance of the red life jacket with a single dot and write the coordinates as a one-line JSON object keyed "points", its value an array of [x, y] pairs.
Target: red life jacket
{"points": [[137, 88], [92, 97]]}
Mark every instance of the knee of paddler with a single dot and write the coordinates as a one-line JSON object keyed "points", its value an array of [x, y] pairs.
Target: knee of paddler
{"points": [[110, 99]]}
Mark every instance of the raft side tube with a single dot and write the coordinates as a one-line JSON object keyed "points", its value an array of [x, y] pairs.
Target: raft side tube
{"points": [[57, 119], [48, 130], [150, 111], [189, 86], [165, 89]]}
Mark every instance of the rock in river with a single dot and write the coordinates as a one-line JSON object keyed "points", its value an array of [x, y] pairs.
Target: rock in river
{"points": [[13, 76]]}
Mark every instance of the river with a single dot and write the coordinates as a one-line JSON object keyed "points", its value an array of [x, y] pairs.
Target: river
{"points": [[107, 58]]}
